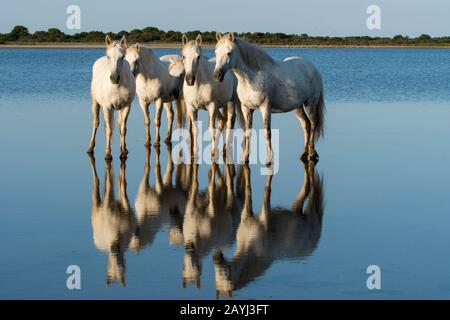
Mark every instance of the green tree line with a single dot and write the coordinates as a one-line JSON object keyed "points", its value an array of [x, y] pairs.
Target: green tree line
{"points": [[21, 35]]}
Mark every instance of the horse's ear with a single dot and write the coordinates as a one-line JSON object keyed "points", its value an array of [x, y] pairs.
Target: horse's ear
{"points": [[199, 39], [184, 39], [218, 36], [108, 40], [123, 41], [231, 36], [138, 47]]}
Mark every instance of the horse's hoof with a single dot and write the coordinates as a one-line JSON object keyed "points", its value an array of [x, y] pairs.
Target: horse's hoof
{"points": [[168, 140], [156, 144], [90, 151], [108, 157], [304, 157], [268, 164], [147, 144], [314, 157], [123, 156]]}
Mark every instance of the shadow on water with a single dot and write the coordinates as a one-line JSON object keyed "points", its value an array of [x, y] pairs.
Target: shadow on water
{"points": [[205, 221]]}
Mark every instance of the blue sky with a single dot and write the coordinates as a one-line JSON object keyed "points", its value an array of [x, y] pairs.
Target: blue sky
{"points": [[314, 17]]}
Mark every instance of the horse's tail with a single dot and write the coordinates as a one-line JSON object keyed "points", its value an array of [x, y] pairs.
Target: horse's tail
{"points": [[320, 117], [181, 113]]}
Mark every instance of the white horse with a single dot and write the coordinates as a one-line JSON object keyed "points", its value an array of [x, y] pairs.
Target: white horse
{"points": [[272, 235], [113, 88], [202, 92], [272, 87], [158, 205], [112, 220], [155, 85], [210, 220]]}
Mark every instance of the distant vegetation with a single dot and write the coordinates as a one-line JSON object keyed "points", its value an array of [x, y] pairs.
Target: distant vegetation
{"points": [[21, 35]]}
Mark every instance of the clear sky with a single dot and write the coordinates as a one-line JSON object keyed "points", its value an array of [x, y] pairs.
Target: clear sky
{"points": [[314, 17]]}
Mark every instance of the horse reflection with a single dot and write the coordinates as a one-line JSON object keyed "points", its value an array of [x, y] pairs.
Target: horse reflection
{"points": [[273, 234], [160, 204], [112, 221], [210, 219]]}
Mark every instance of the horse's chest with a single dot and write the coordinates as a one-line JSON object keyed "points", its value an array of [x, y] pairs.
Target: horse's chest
{"points": [[119, 98], [199, 96], [149, 90], [251, 98]]}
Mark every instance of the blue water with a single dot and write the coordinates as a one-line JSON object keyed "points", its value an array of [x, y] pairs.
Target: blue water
{"points": [[378, 196], [350, 75]]}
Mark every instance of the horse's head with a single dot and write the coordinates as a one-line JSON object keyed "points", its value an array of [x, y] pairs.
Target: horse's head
{"points": [[133, 56], [176, 68], [224, 285], [225, 55], [191, 54], [116, 265], [115, 51]]}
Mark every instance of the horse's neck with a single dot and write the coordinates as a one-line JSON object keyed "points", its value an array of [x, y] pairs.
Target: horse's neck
{"points": [[243, 72], [151, 65]]}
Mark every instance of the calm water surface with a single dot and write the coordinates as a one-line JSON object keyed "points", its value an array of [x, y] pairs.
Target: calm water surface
{"points": [[380, 194]]}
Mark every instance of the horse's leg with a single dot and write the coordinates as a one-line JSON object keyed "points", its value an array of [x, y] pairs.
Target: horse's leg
{"points": [[310, 111], [167, 180], [144, 107], [267, 118], [170, 118], [95, 123], [306, 126], [231, 118], [299, 202], [265, 210], [96, 200], [108, 116], [108, 194], [247, 210], [123, 117], [157, 171], [122, 183], [212, 112], [169, 112], [159, 106], [193, 114], [248, 119]]}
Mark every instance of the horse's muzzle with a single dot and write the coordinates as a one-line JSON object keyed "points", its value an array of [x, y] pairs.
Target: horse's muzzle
{"points": [[190, 79], [218, 76], [115, 79]]}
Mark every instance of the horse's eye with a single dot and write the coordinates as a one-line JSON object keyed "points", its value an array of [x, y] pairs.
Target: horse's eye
{"points": [[229, 53]]}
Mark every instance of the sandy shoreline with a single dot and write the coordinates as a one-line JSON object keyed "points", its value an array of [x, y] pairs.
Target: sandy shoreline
{"points": [[178, 46]]}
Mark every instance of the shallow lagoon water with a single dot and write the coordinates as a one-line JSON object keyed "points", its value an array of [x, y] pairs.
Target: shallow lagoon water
{"points": [[385, 170]]}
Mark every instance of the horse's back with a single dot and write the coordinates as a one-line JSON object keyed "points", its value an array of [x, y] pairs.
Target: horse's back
{"points": [[296, 64]]}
